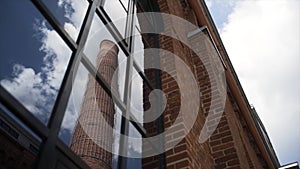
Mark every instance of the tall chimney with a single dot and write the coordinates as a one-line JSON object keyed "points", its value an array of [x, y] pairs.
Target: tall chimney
{"points": [[92, 134]]}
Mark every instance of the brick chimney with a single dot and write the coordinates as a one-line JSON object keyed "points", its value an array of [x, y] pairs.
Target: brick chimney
{"points": [[91, 134]]}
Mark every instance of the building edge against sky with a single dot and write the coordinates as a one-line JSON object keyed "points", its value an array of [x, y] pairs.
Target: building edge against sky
{"points": [[225, 151], [199, 14]]}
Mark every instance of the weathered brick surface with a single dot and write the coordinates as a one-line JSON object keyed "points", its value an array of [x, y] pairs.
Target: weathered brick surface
{"points": [[91, 135], [13, 155], [189, 153], [231, 144]]}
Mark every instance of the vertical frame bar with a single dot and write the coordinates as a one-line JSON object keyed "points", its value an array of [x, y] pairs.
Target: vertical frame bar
{"points": [[46, 158], [123, 144]]}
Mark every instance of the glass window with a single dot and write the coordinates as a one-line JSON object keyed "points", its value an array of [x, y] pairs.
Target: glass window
{"points": [[134, 144], [33, 63], [125, 4], [141, 20], [138, 10], [100, 42], [117, 14], [139, 47], [143, 52], [135, 139], [70, 14], [89, 122], [33, 58], [136, 107], [134, 148], [74, 105]]}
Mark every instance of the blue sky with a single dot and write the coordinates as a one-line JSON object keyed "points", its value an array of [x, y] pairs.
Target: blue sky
{"points": [[10, 31], [220, 10], [25, 57], [262, 40]]}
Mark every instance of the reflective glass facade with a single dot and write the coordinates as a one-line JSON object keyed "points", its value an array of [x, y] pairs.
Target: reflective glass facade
{"points": [[49, 59]]}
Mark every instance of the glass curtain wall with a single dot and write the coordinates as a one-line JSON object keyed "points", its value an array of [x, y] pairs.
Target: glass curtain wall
{"points": [[52, 74]]}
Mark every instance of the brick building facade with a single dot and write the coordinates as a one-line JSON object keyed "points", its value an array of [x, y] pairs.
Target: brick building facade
{"points": [[16, 150], [236, 142], [236, 137]]}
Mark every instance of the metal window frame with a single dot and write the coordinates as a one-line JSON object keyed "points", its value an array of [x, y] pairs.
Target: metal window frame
{"points": [[52, 147]]}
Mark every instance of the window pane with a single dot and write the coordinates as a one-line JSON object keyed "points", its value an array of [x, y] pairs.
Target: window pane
{"points": [[125, 4], [135, 139], [143, 47], [139, 47], [117, 14], [70, 14], [137, 96], [89, 120], [134, 148], [33, 58], [74, 105], [100, 42], [142, 21]]}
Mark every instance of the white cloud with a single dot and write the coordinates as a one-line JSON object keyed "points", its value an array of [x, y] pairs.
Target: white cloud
{"points": [[75, 12], [37, 90], [220, 10], [262, 40], [26, 83], [56, 56], [208, 4], [97, 33], [71, 29]]}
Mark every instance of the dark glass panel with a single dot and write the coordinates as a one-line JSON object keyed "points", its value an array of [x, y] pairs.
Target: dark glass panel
{"points": [[69, 14], [33, 58], [99, 35], [89, 122]]}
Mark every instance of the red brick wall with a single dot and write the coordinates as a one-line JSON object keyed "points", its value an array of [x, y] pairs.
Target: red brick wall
{"points": [[189, 153], [13, 155], [231, 145]]}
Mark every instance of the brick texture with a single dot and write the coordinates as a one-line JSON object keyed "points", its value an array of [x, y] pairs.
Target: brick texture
{"points": [[189, 153], [231, 144], [91, 135], [13, 155]]}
